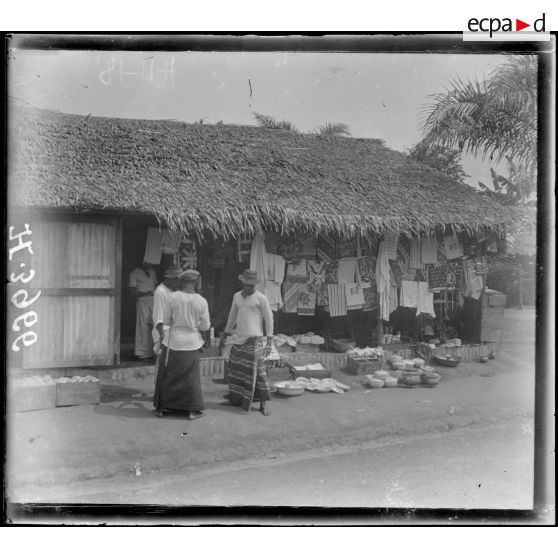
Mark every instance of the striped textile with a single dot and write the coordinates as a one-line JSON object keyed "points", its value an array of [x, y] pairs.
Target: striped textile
{"points": [[337, 300], [246, 374]]}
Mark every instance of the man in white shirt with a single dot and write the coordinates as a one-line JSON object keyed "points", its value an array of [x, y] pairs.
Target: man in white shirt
{"points": [[170, 284], [142, 285], [179, 385], [246, 372]]}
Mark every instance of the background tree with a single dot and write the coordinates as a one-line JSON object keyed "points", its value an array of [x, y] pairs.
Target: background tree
{"points": [[441, 158], [495, 118]]}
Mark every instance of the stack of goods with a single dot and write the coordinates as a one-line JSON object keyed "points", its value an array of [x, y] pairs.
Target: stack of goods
{"points": [[308, 342], [315, 369], [323, 385]]}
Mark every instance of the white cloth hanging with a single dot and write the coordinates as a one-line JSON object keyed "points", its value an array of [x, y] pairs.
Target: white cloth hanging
{"points": [[258, 261], [383, 282], [153, 247]]}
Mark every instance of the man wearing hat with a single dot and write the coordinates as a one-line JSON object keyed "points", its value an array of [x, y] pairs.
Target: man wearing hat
{"points": [[186, 314], [170, 284], [246, 373]]}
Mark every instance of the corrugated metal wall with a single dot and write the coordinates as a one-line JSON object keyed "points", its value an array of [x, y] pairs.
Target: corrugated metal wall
{"points": [[74, 328]]}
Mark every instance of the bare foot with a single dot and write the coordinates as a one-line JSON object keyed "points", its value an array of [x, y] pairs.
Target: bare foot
{"points": [[264, 409]]}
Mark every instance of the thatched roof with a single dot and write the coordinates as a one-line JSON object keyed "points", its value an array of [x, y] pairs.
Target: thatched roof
{"points": [[226, 179]]}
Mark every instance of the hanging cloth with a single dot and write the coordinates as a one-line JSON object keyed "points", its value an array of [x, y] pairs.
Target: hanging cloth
{"points": [[258, 261], [429, 251], [273, 294], [425, 300], [414, 258], [390, 243], [409, 294], [337, 300], [347, 269], [452, 247], [297, 273], [290, 297], [354, 296], [153, 248], [383, 281], [306, 300]]}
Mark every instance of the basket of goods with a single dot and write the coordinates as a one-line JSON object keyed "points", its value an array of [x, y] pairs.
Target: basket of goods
{"points": [[447, 360], [290, 389], [390, 382], [411, 378], [343, 345], [382, 374], [397, 374], [373, 382], [418, 362], [430, 379]]}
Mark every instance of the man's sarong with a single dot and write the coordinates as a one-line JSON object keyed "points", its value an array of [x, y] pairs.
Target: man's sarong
{"points": [[178, 384], [144, 325], [246, 374]]}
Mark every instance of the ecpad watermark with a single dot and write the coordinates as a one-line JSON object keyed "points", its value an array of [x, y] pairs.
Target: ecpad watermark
{"points": [[506, 29]]}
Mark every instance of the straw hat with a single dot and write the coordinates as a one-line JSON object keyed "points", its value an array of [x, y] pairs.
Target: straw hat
{"points": [[190, 275], [249, 277], [173, 272]]}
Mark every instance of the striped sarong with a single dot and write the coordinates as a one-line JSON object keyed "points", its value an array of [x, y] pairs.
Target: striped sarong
{"points": [[246, 374]]}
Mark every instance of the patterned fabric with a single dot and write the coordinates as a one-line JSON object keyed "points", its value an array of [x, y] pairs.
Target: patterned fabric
{"points": [[421, 275], [332, 272], [316, 281], [437, 276], [363, 273], [290, 297], [247, 374], [306, 301], [409, 274]]}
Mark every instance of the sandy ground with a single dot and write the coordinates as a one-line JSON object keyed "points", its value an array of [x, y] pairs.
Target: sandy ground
{"points": [[62, 451]]}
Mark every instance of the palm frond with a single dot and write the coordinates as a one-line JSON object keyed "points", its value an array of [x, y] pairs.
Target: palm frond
{"points": [[332, 129]]}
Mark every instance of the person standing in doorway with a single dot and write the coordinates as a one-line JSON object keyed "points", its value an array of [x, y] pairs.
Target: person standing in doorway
{"points": [[179, 384], [170, 284], [142, 286], [247, 375]]}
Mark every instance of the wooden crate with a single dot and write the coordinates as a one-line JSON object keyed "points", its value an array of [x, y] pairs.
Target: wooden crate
{"points": [[362, 365], [78, 393], [32, 398]]}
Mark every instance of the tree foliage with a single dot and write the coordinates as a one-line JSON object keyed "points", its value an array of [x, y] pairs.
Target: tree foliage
{"points": [[495, 118], [441, 158], [267, 121]]}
